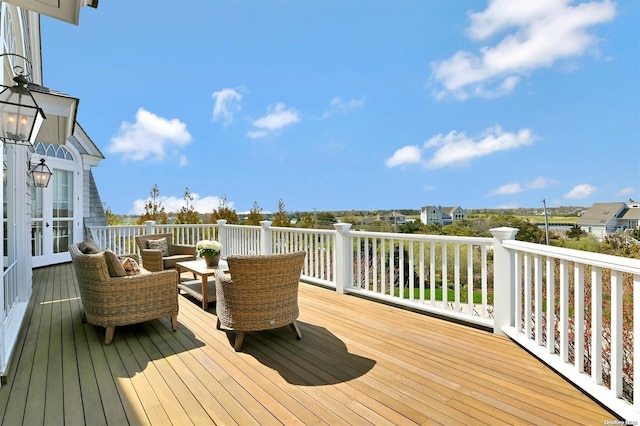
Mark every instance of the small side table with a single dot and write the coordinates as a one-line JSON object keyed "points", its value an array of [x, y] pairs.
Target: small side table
{"points": [[199, 267]]}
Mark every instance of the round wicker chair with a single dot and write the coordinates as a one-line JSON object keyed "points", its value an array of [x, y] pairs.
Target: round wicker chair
{"points": [[261, 293], [115, 301]]}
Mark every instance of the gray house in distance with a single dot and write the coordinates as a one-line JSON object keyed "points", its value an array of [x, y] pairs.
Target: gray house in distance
{"points": [[441, 215], [603, 219]]}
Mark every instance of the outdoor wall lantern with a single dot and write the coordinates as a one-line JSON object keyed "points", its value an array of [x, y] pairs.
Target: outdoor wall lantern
{"points": [[41, 174], [20, 115]]}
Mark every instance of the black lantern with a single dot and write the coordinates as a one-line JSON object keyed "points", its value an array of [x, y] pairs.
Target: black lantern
{"points": [[20, 115], [41, 174]]}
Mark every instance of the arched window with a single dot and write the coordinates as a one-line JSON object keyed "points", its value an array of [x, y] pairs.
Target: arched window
{"points": [[52, 150]]}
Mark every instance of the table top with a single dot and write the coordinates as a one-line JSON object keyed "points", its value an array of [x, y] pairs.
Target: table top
{"points": [[200, 267]]}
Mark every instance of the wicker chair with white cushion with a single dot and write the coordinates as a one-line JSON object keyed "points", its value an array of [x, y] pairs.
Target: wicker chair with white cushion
{"points": [[112, 298], [261, 293], [159, 253]]}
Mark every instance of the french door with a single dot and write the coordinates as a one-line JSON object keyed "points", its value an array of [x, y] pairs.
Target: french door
{"points": [[52, 219]]}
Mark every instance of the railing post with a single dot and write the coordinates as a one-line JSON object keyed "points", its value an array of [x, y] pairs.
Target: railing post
{"points": [[150, 227], [222, 236], [265, 237], [503, 280], [343, 256]]}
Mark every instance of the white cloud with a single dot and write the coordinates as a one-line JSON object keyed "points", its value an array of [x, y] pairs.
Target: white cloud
{"points": [[510, 188], [538, 183], [626, 191], [277, 117], [227, 103], [514, 188], [405, 155], [581, 191], [340, 106], [149, 136], [538, 34], [174, 204], [458, 149]]}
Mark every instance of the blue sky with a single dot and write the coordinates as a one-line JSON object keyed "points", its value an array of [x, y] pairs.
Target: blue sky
{"points": [[366, 105]]}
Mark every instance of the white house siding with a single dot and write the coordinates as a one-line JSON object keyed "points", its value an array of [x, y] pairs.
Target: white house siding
{"points": [[20, 35]]}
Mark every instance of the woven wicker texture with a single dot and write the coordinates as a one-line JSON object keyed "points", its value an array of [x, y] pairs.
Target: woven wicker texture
{"points": [[152, 260], [110, 302], [261, 292]]}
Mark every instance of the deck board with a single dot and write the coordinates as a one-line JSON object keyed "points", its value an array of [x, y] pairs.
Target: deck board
{"points": [[359, 362]]}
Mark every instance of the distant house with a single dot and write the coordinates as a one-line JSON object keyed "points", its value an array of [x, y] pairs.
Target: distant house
{"points": [[441, 215], [392, 217], [603, 219]]}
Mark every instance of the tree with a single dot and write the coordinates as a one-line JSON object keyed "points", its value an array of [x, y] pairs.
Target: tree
{"points": [[255, 215], [281, 218], [575, 232], [112, 218], [306, 221], [224, 212], [153, 208], [187, 213], [326, 218]]}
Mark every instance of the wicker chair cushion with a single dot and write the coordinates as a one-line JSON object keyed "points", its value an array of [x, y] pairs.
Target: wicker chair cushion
{"points": [[113, 265], [130, 266], [89, 247], [160, 244]]}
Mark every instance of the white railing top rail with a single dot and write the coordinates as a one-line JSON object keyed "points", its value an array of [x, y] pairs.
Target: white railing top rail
{"points": [[424, 237], [585, 257], [303, 230]]}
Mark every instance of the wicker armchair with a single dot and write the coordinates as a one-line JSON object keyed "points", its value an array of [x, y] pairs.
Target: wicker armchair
{"points": [[261, 293], [115, 301], [153, 260]]}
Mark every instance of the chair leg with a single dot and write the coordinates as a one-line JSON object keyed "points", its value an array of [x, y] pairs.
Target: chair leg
{"points": [[296, 329], [108, 335], [218, 325], [239, 339], [174, 322]]}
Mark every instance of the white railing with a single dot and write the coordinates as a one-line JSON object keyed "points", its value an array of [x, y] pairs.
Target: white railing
{"points": [[552, 301], [437, 274], [563, 314]]}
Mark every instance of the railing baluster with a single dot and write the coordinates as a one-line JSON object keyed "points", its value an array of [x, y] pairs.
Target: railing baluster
{"points": [[432, 273], [526, 271], [578, 310], [538, 286], [456, 276], [564, 311], [470, 301], [445, 283], [484, 284], [551, 311], [596, 325], [616, 333], [519, 303]]}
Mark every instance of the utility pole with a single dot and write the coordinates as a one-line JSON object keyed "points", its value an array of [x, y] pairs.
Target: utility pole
{"points": [[546, 220]]}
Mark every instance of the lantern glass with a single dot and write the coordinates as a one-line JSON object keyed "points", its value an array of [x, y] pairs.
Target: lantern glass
{"points": [[20, 116], [41, 174]]}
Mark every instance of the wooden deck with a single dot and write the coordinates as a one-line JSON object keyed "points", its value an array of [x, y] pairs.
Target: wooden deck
{"points": [[359, 362]]}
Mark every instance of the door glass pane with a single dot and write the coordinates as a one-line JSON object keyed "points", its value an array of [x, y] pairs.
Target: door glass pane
{"points": [[36, 239], [62, 210], [36, 202], [62, 234], [37, 247], [62, 194]]}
